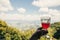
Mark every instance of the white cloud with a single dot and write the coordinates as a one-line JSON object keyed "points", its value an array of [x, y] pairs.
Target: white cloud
{"points": [[55, 15], [46, 3], [5, 5], [21, 10], [32, 17], [54, 12], [43, 9], [5, 16]]}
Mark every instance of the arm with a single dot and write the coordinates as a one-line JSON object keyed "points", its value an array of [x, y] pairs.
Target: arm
{"points": [[57, 34]]}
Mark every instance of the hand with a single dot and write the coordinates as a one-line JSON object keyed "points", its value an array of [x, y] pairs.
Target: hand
{"points": [[38, 34], [43, 32]]}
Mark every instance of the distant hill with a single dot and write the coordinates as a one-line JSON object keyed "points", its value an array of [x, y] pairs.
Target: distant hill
{"points": [[23, 25]]}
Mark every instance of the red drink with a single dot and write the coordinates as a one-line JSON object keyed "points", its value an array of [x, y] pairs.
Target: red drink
{"points": [[45, 25]]}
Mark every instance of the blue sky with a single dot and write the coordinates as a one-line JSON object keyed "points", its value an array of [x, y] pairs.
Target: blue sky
{"points": [[29, 10], [27, 4]]}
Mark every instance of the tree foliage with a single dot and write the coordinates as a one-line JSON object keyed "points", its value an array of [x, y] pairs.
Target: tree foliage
{"points": [[9, 33]]}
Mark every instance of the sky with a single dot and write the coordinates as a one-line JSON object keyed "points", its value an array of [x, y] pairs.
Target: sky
{"points": [[29, 10]]}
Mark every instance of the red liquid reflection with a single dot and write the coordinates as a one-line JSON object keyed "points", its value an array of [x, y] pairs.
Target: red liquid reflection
{"points": [[45, 25]]}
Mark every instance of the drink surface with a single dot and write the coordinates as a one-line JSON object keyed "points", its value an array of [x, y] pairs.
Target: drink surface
{"points": [[45, 25]]}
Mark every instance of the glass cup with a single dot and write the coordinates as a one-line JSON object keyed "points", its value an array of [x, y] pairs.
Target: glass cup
{"points": [[45, 22]]}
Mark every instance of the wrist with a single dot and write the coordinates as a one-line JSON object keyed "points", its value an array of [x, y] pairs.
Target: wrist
{"points": [[44, 29]]}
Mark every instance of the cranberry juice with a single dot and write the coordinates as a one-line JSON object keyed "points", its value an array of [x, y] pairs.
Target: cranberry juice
{"points": [[45, 25]]}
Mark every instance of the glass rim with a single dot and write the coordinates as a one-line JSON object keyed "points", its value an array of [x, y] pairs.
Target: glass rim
{"points": [[45, 17]]}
